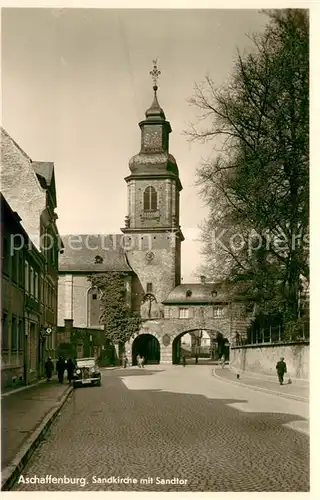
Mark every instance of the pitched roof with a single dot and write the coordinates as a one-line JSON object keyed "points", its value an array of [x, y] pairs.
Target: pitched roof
{"points": [[81, 250], [45, 169], [197, 293]]}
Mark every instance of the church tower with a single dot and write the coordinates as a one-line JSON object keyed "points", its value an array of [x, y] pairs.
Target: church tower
{"points": [[152, 235]]}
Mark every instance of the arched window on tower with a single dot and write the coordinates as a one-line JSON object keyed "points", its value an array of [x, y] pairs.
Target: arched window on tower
{"points": [[150, 199], [93, 301]]}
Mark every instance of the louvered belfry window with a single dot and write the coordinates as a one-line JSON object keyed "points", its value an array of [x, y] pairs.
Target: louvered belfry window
{"points": [[150, 199]]}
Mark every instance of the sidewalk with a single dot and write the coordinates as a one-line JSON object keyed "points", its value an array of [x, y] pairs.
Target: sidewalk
{"points": [[294, 390], [26, 414]]}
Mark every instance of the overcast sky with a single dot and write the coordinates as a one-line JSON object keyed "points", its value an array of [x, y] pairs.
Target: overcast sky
{"points": [[75, 84]]}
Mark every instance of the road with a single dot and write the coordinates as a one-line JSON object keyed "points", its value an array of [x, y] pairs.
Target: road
{"points": [[145, 427]]}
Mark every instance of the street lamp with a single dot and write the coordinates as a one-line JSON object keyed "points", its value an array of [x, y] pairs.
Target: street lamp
{"points": [[44, 333]]}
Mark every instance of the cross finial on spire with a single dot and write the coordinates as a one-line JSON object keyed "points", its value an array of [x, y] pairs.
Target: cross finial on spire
{"points": [[155, 74]]}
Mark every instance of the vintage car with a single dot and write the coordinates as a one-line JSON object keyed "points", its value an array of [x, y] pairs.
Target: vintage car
{"points": [[86, 372]]}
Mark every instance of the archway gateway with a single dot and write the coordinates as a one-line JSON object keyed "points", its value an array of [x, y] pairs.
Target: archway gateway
{"points": [[211, 352], [146, 345]]}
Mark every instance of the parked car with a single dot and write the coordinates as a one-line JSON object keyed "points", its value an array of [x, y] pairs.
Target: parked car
{"points": [[86, 372]]}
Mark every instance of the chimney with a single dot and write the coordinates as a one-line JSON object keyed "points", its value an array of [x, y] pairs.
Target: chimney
{"points": [[203, 279], [68, 327]]}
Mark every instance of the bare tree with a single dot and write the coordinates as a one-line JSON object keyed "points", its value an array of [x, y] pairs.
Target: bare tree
{"points": [[256, 186]]}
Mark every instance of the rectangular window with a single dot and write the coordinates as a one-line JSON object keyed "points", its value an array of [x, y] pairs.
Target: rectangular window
{"points": [[14, 334], [40, 288], [149, 287], [31, 288], [26, 276], [6, 256], [15, 266], [94, 296], [167, 312], [5, 332], [36, 286], [21, 268], [79, 351], [218, 312], [21, 335], [184, 312]]}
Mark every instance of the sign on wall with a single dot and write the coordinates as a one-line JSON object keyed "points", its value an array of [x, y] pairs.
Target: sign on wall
{"points": [[166, 340]]}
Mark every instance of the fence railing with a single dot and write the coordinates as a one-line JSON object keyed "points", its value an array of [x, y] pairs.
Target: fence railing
{"points": [[272, 335]]}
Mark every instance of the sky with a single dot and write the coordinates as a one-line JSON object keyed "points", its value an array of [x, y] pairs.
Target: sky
{"points": [[75, 84]]}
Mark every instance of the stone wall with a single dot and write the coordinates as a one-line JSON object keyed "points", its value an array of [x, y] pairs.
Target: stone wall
{"points": [[262, 358], [166, 202], [173, 328], [155, 263]]}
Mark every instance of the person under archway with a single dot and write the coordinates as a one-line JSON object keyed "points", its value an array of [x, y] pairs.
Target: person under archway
{"points": [[222, 361]]}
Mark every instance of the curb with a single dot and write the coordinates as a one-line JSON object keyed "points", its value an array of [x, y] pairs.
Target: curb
{"points": [[302, 382], [10, 473], [262, 389], [23, 388]]}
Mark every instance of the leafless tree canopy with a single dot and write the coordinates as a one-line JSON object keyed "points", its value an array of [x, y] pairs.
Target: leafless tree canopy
{"points": [[256, 185]]}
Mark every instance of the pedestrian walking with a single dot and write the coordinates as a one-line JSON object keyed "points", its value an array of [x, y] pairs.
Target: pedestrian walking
{"points": [[139, 361], [184, 361], [49, 367], [222, 360], [142, 361], [70, 370], [196, 359], [124, 361], [60, 367], [281, 368]]}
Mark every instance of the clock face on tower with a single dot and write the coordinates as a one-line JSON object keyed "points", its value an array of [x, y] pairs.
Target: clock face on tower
{"points": [[149, 257]]}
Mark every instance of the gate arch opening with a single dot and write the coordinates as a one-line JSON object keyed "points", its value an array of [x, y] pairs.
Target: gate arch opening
{"points": [[206, 345], [146, 345]]}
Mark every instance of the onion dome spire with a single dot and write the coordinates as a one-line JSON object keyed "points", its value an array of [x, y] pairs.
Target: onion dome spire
{"points": [[155, 111]]}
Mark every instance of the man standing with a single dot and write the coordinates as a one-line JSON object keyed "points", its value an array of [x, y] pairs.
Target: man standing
{"points": [[49, 368], [70, 369], [60, 367], [222, 360], [281, 368]]}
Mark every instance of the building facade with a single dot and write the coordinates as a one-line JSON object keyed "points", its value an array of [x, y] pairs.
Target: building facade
{"points": [[30, 248], [150, 243]]}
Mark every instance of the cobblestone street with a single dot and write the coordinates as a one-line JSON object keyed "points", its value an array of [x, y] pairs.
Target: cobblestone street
{"points": [[174, 422]]}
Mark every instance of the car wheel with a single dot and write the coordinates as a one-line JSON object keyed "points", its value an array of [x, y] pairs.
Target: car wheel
{"points": [[99, 383]]}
